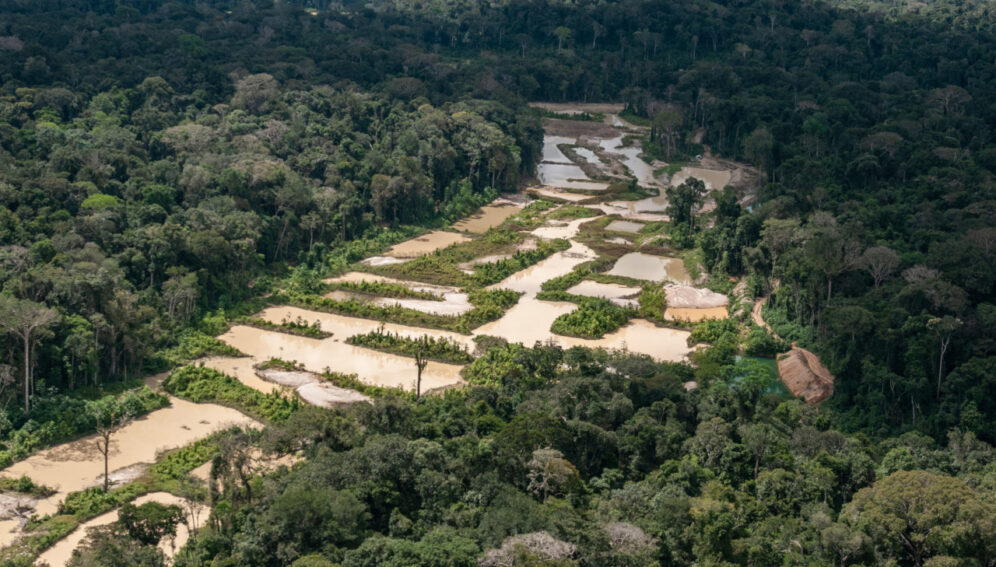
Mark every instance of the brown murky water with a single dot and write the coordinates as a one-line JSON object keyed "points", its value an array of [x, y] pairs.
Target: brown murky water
{"points": [[618, 294], [565, 176], [712, 178], [530, 280], [551, 153], [60, 553], [651, 268], [453, 302], [624, 226], [74, 466], [561, 229], [425, 244], [376, 368], [242, 370], [488, 217]]}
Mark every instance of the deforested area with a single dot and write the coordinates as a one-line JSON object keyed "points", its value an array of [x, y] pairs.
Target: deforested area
{"points": [[510, 283]]}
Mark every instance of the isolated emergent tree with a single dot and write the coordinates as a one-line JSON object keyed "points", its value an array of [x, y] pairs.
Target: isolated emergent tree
{"points": [[110, 418], [25, 319], [421, 361]]}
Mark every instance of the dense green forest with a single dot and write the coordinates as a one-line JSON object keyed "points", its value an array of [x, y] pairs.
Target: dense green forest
{"points": [[164, 165]]}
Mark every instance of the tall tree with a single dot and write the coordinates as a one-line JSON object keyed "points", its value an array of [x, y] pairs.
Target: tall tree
{"points": [[26, 320]]}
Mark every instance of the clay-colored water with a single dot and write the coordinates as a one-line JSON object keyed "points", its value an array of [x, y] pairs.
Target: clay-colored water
{"points": [[642, 337], [695, 315], [75, 466], [651, 268], [567, 176], [560, 229], [452, 301], [630, 157], [528, 321], [372, 367], [624, 226], [551, 153], [488, 217], [425, 244], [588, 155], [241, 369], [618, 294], [60, 553], [530, 280], [649, 209], [342, 327], [712, 178]]}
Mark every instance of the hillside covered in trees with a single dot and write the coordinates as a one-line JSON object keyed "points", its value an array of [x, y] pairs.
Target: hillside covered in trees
{"points": [[168, 168]]}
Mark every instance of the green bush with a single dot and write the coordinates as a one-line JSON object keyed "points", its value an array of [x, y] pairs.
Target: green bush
{"points": [[192, 344], [199, 384], [488, 306], [591, 320], [440, 349]]}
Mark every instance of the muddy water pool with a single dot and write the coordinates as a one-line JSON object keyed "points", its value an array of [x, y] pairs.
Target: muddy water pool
{"points": [[651, 268]]}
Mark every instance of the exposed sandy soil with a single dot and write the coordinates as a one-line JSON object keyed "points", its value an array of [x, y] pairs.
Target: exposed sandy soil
{"points": [[688, 297], [578, 128], [557, 195], [425, 244], [695, 315], [328, 396], [580, 107]]}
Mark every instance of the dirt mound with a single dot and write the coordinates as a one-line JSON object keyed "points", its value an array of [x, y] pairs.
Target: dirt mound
{"points": [[805, 376], [687, 297], [327, 396], [292, 378]]}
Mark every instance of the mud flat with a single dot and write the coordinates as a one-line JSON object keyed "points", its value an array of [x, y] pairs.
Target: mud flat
{"points": [[693, 315], [558, 195], [621, 295], [488, 217], [372, 367], [425, 244], [651, 268], [60, 553], [624, 226], [571, 108]]}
